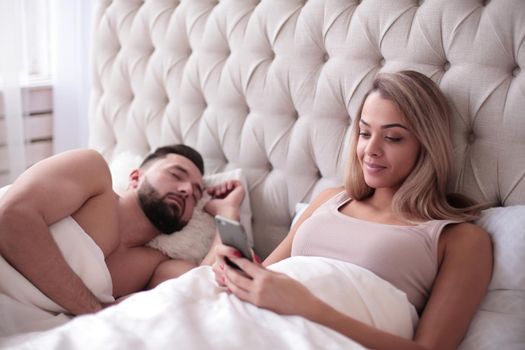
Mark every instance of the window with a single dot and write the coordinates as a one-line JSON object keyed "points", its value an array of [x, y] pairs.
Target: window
{"points": [[25, 79], [36, 18]]}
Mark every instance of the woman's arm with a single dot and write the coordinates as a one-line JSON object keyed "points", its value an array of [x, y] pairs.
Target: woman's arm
{"points": [[461, 283], [283, 250], [464, 274]]}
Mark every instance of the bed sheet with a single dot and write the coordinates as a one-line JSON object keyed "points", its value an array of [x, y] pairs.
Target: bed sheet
{"points": [[192, 312]]}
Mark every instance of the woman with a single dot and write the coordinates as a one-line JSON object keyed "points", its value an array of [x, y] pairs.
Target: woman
{"points": [[394, 203]]}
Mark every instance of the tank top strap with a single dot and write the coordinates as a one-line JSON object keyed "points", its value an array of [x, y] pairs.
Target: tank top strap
{"points": [[435, 228], [339, 199]]}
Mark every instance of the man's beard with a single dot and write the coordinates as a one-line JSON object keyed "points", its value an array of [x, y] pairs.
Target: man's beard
{"points": [[164, 216]]}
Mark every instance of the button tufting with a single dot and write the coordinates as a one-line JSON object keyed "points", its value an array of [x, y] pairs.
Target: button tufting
{"points": [[382, 62], [446, 66], [471, 137], [485, 2], [516, 71], [326, 57]]}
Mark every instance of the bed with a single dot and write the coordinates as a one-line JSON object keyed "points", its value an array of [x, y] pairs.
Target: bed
{"points": [[270, 87]]}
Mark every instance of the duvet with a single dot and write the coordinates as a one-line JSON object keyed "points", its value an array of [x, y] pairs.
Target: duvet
{"points": [[192, 312]]}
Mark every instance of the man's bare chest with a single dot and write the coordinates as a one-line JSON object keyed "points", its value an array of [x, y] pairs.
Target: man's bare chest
{"points": [[98, 217]]}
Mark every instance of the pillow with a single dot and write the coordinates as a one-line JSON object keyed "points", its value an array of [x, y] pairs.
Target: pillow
{"points": [[499, 322], [299, 209], [193, 242]]}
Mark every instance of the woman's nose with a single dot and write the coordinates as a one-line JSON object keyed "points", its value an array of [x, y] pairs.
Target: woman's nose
{"points": [[374, 147]]}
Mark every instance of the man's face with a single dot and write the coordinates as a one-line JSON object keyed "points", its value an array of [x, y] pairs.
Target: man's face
{"points": [[168, 192]]}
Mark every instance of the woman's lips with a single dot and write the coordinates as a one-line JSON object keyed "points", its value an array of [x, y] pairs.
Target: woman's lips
{"points": [[373, 167]]}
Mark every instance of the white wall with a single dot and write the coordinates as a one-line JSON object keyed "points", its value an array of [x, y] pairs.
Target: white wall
{"points": [[71, 40]]}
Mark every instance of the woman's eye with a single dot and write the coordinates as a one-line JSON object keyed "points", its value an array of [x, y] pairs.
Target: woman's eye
{"points": [[393, 139], [364, 134], [175, 175]]}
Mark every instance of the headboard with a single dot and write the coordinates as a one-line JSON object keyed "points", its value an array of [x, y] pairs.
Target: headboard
{"points": [[271, 87]]}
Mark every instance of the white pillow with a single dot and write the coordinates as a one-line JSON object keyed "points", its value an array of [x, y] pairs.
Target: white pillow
{"points": [[299, 209], [500, 320], [194, 240]]}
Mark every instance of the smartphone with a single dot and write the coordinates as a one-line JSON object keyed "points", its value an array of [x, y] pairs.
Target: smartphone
{"points": [[232, 234]]}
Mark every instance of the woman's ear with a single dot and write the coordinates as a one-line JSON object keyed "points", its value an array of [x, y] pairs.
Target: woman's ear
{"points": [[134, 178]]}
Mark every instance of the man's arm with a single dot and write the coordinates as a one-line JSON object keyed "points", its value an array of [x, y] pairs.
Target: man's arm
{"points": [[46, 193], [169, 269], [226, 199]]}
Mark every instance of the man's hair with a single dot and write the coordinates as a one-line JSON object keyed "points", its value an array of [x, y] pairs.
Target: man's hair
{"points": [[423, 194], [180, 149]]}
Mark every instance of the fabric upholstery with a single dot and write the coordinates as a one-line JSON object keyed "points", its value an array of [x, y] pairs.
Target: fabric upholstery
{"points": [[271, 87]]}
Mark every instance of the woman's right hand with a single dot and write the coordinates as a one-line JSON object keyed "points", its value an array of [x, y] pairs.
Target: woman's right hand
{"points": [[222, 252]]}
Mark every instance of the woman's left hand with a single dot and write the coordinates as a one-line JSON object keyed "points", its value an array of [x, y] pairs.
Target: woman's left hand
{"points": [[268, 289]]}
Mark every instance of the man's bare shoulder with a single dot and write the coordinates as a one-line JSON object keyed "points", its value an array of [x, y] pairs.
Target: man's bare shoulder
{"points": [[59, 185], [72, 161]]}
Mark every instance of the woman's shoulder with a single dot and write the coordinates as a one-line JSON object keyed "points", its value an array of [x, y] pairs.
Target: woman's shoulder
{"points": [[466, 235], [328, 194], [324, 197]]}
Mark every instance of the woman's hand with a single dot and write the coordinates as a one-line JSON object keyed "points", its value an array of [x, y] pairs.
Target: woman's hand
{"points": [[219, 266], [222, 252], [268, 289]]}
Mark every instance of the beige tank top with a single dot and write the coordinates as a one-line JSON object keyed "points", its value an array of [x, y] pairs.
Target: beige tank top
{"points": [[406, 256]]}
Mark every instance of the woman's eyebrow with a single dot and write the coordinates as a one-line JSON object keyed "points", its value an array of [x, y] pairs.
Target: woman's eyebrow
{"points": [[386, 126]]}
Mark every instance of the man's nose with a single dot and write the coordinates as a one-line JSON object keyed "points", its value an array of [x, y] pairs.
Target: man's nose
{"points": [[186, 188]]}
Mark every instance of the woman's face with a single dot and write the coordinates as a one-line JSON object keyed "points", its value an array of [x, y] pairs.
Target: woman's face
{"points": [[386, 149]]}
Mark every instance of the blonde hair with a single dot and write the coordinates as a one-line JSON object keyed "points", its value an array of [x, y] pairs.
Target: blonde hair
{"points": [[423, 194]]}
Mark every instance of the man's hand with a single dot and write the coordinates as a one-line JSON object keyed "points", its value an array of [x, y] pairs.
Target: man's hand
{"points": [[226, 199]]}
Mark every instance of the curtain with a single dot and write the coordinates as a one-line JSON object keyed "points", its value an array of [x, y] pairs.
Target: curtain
{"points": [[12, 54], [71, 37], [43, 42]]}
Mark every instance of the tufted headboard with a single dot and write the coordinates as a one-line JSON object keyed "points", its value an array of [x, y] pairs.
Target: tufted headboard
{"points": [[271, 87]]}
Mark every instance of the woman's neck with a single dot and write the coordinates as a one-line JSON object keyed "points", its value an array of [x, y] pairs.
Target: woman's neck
{"points": [[381, 200]]}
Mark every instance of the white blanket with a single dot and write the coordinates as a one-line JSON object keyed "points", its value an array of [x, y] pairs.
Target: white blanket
{"points": [[192, 312], [24, 308]]}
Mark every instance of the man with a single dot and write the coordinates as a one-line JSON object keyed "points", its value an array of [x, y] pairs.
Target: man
{"points": [[161, 197]]}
